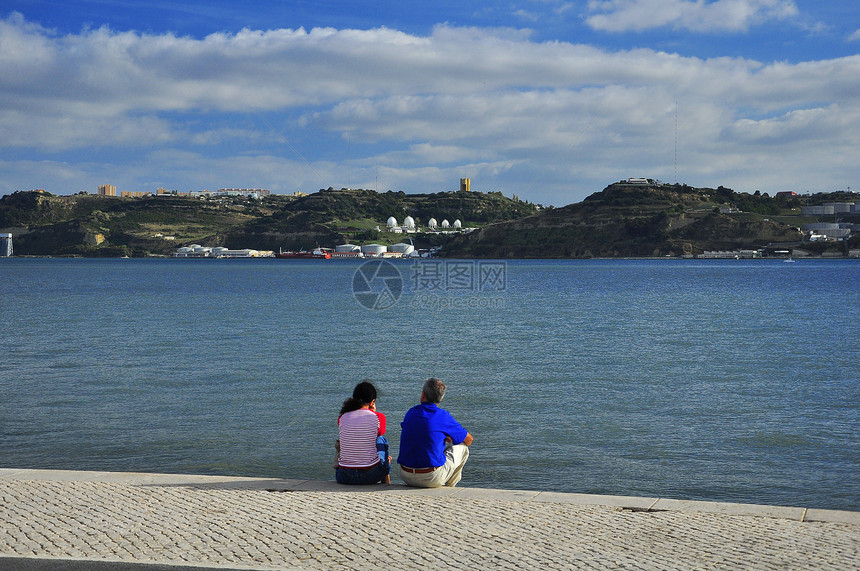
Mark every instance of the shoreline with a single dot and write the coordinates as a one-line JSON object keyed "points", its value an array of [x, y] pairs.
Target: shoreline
{"points": [[270, 523], [633, 503], [595, 258]]}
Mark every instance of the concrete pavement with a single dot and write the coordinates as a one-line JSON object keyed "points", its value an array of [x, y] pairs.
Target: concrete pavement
{"points": [[261, 523]]}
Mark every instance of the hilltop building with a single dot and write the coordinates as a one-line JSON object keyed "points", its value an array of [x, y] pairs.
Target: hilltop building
{"points": [[252, 192], [107, 190], [409, 226], [640, 181], [221, 192]]}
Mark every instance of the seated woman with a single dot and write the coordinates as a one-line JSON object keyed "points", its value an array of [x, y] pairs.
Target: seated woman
{"points": [[362, 450]]}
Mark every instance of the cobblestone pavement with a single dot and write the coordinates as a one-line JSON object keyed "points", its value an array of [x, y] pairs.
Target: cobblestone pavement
{"points": [[282, 524]]}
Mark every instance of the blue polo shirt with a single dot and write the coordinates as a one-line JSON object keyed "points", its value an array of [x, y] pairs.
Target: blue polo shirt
{"points": [[422, 440]]}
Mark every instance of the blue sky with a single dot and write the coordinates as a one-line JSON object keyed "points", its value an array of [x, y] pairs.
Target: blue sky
{"points": [[549, 100]]}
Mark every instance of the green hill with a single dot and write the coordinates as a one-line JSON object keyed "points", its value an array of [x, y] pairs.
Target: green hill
{"points": [[331, 217], [629, 220], [623, 220], [88, 225], [44, 224]]}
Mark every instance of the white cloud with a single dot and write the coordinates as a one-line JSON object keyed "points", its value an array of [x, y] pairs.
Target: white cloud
{"points": [[855, 36], [526, 16], [555, 119], [697, 15]]}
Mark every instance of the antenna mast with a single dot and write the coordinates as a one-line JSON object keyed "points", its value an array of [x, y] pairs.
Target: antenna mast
{"points": [[676, 141]]}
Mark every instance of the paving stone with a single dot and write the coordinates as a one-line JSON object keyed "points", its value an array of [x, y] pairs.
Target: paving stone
{"points": [[321, 525]]}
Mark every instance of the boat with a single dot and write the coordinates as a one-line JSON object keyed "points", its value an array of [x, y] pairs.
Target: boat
{"points": [[315, 254]]}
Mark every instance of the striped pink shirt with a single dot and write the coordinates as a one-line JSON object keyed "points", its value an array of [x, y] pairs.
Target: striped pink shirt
{"points": [[358, 432]]}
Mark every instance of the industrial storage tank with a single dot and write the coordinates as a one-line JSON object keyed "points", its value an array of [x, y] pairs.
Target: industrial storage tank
{"points": [[446, 224], [5, 245], [347, 248], [820, 210], [432, 223], [402, 248], [392, 222], [457, 224], [373, 249], [409, 222]]}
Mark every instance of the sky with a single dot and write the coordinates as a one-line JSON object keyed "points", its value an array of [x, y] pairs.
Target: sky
{"points": [[548, 100]]}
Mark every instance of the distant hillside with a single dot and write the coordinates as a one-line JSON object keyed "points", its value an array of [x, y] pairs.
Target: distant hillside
{"points": [[627, 220], [331, 217], [623, 220], [87, 225]]}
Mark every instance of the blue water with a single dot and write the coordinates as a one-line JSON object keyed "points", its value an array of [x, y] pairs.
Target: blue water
{"points": [[714, 380]]}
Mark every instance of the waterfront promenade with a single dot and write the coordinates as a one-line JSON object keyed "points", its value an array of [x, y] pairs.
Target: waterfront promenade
{"points": [[259, 523]]}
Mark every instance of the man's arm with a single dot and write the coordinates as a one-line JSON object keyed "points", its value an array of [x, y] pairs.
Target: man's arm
{"points": [[467, 440]]}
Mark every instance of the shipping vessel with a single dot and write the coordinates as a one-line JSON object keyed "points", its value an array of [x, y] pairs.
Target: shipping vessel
{"points": [[315, 254]]}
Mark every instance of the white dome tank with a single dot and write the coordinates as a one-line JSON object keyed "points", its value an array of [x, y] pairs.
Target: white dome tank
{"points": [[392, 222], [409, 222], [432, 223], [457, 224], [446, 224], [404, 249], [374, 249]]}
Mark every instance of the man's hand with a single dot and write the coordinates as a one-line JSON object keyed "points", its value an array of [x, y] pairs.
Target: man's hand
{"points": [[467, 441]]}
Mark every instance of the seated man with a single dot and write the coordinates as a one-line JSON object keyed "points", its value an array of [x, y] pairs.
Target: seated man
{"points": [[433, 446]]}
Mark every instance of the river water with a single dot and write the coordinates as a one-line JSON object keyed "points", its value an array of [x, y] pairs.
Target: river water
{"points": [[726, 380]]}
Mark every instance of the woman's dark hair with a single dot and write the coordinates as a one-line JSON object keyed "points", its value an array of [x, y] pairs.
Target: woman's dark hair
{"points": [[364, 393]]}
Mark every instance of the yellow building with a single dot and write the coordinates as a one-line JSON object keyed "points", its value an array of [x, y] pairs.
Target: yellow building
{"points": [[465, 185], [107, 190]]}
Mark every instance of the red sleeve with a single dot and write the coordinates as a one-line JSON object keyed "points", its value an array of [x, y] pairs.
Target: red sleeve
{"points": [[381, 423]]}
